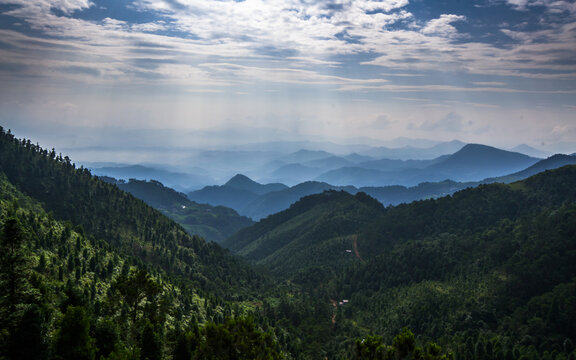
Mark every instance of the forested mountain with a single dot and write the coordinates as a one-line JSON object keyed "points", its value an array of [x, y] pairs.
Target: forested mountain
{"points": [[213, 223], [276, 201], [89, 271], [92, 272], [106, 212], [312, 234], [490, 271]]}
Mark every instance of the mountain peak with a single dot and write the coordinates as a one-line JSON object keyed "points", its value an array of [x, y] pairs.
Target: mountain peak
{"points": [[477, 161], [240, 181], [484, 151]]}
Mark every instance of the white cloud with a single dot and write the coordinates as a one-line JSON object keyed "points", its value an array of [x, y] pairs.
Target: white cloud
{"points": [[280, 41], [553, 6], [443, 25]]}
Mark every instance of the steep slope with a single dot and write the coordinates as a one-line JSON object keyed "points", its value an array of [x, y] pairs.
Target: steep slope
{"points": [[213, 223], [77, 297], [126, 223], [314, 233]]}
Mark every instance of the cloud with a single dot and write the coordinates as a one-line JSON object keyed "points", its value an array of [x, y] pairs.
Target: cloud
{"points": [[443, 25], [213, 44], [553, 6], [451, 122]]}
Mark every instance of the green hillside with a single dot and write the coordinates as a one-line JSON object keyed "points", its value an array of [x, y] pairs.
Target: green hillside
{"points": [[91, 272], [71, 296], [213, 223], [126, 223], [489, 271], [317, 234]]}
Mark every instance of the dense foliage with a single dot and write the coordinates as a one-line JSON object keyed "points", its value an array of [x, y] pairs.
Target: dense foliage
{"points": [[490, 272], [213, 223], [126, 282], [91, 272], [125, 222]]}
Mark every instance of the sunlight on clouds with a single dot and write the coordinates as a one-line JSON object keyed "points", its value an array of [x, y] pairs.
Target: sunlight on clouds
{"points": [[294, 64], [443, 25]]}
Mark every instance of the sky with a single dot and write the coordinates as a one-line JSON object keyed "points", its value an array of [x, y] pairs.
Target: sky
{"points": [[94, 74]]}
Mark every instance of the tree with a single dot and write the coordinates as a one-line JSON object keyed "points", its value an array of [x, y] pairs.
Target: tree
{"points": [[72, 339], [403, 346], [137, 288], [29, 338], [150, 343], [13, 266]]}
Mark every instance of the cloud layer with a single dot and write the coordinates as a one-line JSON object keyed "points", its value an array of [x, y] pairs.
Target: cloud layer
{"points": [[485, 54]]}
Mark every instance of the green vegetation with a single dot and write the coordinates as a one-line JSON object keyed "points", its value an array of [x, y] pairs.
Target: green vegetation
{"points": [[96, 273], [488, 272], [213, 223], [310, 239], [91, 272]]}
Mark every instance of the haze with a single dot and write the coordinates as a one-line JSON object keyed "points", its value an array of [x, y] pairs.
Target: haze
{"points": [[107, 80]]}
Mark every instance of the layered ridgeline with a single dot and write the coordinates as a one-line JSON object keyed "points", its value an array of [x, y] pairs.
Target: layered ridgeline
{"points": [[491, 270], [67, 295], [213, 223], [89, 271], [258, 205], [125, 222]]}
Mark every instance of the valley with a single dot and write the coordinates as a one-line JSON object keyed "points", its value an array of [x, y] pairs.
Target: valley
{"points": [[467, 269]]}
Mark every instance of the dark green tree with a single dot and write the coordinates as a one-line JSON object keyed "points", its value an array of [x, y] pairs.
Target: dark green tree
{"points": [[13, 266], [29, 340], [150, 343], [72, 339], [136, 289], [106, 335]]}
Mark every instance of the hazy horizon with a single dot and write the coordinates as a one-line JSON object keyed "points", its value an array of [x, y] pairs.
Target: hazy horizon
{"points": [[83, 75]]}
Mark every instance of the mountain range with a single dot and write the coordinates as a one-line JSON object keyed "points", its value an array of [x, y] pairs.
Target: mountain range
{"points": [[481, 267], [468, 167], [91, 271], [292, 163]]}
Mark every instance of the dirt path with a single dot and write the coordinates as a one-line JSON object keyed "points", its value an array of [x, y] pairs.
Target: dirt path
{"points": [[335, 306], [355, 246]]}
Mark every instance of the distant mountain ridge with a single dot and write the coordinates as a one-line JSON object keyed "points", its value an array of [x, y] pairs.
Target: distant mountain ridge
{"points": [[243, 182], [177, 180], [475, 162], [326, 229], [258, 207], [213, 223]]}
